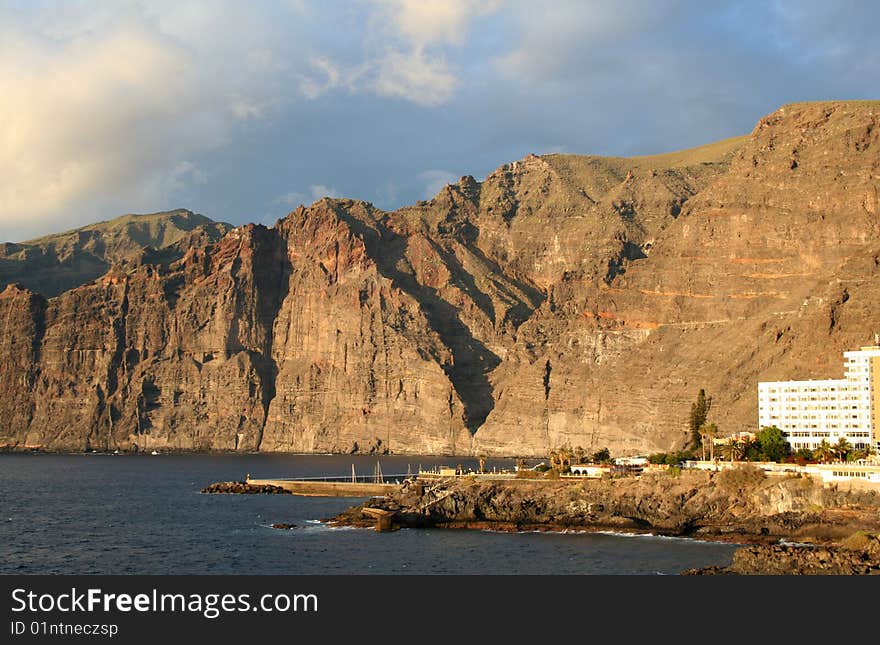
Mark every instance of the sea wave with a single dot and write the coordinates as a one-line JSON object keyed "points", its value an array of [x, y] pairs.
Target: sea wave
{"points": [[677, 538], [621, 534], [318, 525], [793, 543]]}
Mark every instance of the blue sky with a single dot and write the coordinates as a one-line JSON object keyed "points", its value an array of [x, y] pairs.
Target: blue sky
{"points": [[241, 111]]}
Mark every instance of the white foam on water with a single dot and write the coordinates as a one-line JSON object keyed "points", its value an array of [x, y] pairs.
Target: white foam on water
{"points": [[791, 543], [318, 525]]}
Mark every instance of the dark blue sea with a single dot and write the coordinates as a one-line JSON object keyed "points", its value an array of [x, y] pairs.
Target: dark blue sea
{"points": [[143, 514]]}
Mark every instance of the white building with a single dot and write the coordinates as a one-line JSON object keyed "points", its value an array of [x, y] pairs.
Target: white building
{"points": [[594, 471], [809, 412]]}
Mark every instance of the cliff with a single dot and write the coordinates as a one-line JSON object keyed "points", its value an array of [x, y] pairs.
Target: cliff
{"points": [[563, 300], [57, 263]]}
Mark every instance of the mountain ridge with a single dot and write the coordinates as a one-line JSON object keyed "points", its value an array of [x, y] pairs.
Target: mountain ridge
{"points": [[54, 263], [564, 300]]}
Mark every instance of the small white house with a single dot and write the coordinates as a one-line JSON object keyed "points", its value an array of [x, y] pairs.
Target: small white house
{"points": [[631, 461], [594, 471]]}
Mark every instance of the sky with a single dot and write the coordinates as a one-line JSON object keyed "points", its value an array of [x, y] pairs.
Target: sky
{"points": [[242, 111]]}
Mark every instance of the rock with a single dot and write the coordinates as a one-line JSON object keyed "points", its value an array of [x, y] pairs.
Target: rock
{"points": [[57, 263], [244, 488], [284, 526], [693, 504], [565, 300], [859, 556]]}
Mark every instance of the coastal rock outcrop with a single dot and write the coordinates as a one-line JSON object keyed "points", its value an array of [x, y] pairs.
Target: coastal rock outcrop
{"points": [[728, 505], [564, 300], [857, 555], [246, 488]]}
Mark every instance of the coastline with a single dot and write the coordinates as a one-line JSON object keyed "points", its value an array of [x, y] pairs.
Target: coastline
{"points": [[786, 521], [38, 450]]}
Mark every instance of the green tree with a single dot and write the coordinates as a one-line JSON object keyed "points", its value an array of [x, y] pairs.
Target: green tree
{"points": [[699, 413], [734, 450], [842, 448], [675, 458], [708, 432], [772, 442], [823, 452], [856, 455], [752, 450], [564, 459], [602, 456]]}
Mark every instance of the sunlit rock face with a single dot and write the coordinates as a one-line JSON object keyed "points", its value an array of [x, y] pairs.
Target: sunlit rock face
{"points": [[565, 300]]}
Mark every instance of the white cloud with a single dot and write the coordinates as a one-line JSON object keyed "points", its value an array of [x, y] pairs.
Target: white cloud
{"points": [[317, 191], [140, 105], [314, 193], [287, 202], [74, 115], [325, 75], [423, 23], [435, 180], [415, 76], [409, 38], [105, 106]]}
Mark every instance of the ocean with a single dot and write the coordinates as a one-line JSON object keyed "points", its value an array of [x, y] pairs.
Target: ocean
{"points": [[144, 514]]}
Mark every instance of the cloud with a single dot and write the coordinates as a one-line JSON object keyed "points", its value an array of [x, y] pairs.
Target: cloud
{"points": [[103, 102], [104, 107], [414, 76], [315, 192], [323, 75], [142, 105], [435, 180], [410, 62], [287, 202], [423, 23]]}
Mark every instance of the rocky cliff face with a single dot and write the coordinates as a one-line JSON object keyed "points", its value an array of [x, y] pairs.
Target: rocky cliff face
{"points": [[564, 300], [57, 263]]}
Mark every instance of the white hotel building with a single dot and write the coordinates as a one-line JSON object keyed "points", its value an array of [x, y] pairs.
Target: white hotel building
{"points": [[809, 412]]}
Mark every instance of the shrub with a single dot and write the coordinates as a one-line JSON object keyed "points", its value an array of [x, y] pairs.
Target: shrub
{"points": [[773, 445], [740, 478]]}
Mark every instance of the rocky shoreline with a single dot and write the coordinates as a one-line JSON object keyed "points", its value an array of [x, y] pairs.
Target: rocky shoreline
{"points": [[244, 488], [833, 530], [857, 555]]}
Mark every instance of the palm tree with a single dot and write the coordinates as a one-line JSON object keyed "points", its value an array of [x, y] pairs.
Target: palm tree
{"points": [[708, 432], [856, 455], [564, 455], [735, 450], [823, 452], [842, 448]]}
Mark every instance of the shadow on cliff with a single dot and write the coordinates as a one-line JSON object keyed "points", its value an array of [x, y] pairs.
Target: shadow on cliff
{"points": [[472, 361], [271, 276]]}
